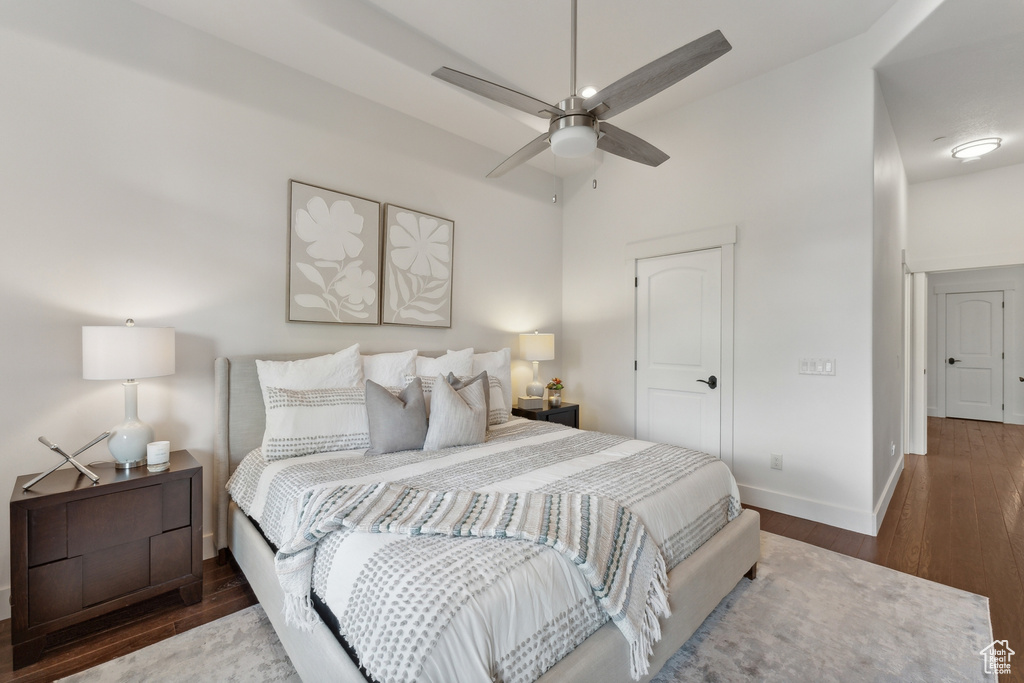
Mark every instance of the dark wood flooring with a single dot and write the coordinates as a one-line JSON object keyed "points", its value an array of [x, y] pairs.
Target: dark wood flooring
{"points": [[956, 517], [225, 590]]}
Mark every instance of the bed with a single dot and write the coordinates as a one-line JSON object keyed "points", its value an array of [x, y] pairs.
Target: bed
{"points": [[697, 583]]}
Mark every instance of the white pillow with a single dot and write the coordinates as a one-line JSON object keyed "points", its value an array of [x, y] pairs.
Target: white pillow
{"points": [[308, 421], [460, 363], [341, 369], [389, 369], [497, 364], [459, 418]]}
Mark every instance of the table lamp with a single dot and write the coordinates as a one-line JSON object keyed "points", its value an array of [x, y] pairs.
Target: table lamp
{"points": [[128, 353], [536, 347]]}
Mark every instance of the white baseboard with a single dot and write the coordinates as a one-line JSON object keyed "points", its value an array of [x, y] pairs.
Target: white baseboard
{"points": [[209, 547], [861, 521], [886, 497]]}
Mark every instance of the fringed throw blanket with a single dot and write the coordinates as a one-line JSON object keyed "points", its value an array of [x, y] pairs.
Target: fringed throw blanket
{"points": [[606, 541]]}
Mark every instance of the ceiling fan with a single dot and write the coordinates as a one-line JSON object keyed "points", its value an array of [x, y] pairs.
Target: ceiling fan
{"points": [[579, 124]]}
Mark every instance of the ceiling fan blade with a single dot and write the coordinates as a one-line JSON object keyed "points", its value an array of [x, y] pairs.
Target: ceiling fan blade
{"points": [[532, 149], [498, 93], [651, 79], [628, 146]]}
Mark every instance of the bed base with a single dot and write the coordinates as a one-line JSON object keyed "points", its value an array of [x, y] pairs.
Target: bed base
{"points": [[696, 587]]}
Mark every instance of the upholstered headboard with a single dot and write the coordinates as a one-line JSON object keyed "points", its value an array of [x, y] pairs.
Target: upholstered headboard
{"points": [[239, 421]]}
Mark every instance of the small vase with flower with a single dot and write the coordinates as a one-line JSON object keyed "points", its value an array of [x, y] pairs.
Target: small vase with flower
{"points": [[555, 387]]}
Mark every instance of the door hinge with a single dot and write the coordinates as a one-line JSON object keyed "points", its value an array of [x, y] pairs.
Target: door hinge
{"points": [[635, 366], [636, 282]]}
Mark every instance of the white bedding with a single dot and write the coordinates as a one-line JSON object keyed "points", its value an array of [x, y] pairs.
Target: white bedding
{"points": [[484, 609]]}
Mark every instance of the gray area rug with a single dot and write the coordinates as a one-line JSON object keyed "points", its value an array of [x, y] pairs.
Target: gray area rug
{"points": [[811, 615]]}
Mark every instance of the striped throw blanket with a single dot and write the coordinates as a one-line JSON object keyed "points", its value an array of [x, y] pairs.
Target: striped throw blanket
{"points": [[607, 542]]}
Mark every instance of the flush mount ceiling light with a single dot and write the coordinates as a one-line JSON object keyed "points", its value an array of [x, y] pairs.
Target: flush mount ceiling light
{"points": [[976, 148]]}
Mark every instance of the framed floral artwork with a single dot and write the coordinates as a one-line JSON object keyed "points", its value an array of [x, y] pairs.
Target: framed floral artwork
{"points": [[333, 257], [417, 283]]}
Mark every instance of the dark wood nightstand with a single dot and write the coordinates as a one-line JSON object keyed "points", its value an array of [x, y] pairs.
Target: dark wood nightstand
{"points": [[79, 550], [566, 414]]}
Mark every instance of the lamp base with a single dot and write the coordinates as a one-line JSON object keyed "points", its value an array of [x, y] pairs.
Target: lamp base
{"points": [[127, 442], [535, 389], [118, 465]]}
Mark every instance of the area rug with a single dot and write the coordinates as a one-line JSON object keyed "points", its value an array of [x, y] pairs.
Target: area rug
{"points": [[811, 615]]}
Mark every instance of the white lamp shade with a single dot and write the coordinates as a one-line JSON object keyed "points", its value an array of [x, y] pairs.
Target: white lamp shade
{"points": [[537, 346], [123, 352]]}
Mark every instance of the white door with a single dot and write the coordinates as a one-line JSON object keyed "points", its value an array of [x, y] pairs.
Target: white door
{"points": [[679, 350], [974, 356]]}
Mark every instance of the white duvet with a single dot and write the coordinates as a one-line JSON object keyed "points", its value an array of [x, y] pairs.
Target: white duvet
{"points": [[470, 609]]}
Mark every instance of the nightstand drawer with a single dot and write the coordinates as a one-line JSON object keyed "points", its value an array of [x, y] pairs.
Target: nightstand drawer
{"points": [[54, 590], [115, 571], [114, 519], [47, 534]]}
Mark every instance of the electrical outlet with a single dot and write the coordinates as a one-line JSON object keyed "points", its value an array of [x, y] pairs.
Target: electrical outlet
{"points": [[776, 461], [892, 449]]}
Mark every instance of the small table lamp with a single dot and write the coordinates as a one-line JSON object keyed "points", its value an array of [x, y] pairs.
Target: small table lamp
{"points": [[128, 353], [536, 347]]}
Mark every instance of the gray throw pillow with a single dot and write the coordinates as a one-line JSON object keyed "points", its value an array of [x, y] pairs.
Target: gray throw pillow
{"points": [[397, 423], [457, 384]]}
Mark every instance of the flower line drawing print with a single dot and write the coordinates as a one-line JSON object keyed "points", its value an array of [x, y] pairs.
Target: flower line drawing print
{"points": [[418, 268], [335, 250]]}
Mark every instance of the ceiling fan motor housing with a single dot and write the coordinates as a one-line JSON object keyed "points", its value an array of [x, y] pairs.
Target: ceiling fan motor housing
{"points": [[574, 134]]}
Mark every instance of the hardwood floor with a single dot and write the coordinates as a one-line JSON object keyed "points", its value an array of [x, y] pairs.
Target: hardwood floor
{"points": [[956, 517], [225, 590]]}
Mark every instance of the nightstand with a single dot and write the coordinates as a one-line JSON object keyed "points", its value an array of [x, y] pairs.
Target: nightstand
{"points": [[566, 414], [79, 550]]}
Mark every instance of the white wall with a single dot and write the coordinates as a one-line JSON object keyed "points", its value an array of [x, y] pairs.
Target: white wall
{"points": [[969, 221], [888, 372], [965, 230], [786, 158], [981, 280], [145, 173]]}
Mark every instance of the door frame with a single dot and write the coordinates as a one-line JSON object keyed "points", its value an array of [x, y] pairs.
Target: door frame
{"points": [[1007, 287], [720, 237]]}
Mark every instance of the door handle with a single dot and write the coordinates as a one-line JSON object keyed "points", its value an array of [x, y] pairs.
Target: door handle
{"points": [[711, 381], [952, 360]]}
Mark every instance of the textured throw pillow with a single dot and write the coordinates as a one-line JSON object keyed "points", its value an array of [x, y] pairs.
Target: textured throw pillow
{"points": [[458, 417], [458, 362], [389, 369], [496, 412], [308, 421], [397, 423], [498, 365], [340, 370]]}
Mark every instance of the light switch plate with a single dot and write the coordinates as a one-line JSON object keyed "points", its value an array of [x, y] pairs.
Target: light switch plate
{"points": [[817, 366]]}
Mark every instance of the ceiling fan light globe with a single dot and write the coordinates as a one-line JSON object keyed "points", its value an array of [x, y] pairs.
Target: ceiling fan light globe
{"points": [[573, 142]]}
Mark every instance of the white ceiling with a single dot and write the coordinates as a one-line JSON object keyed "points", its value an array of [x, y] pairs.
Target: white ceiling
{"points": [[385, 50], [958, 76]]}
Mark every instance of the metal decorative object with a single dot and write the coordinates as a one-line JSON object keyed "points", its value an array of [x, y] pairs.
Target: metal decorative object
{"points": [[67, 459]]}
